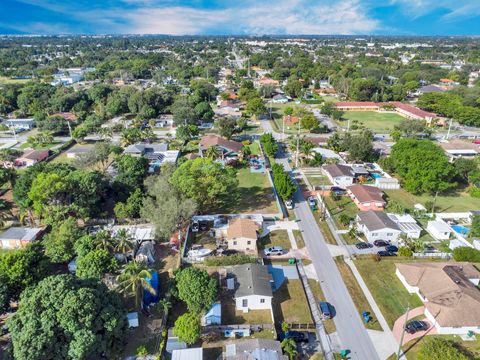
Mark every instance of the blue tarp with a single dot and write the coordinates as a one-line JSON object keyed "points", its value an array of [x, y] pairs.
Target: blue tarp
{"points": [[148, 297]]}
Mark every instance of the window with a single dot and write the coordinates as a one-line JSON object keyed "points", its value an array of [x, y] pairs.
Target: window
{"points": [[249, 242], [234, 243], [262, 301], [389, 234], [245, 303], [374, 234]]}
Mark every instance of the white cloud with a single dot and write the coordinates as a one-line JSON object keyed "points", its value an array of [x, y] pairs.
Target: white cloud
{"points": [[454, 9]]}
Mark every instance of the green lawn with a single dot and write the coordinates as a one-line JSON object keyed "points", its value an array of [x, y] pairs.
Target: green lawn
{"points": [[413, 347], [343, 205], [274, 238], [7, 80], [457, 202], [231, 316], [389, 293], [317, 180], [381, 122], [253, 195], [40, 147], [255, 148], [290, 304], [356, 292], [299, 238]]}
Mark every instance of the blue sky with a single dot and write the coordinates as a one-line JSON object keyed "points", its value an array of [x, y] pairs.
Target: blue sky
{"points": [[257, 17]]}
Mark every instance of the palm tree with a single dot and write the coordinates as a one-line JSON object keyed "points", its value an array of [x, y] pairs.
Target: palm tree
{"points": [[246, 151], [290, 348], [133, 280], [104, 240], [123, 241], [212, 153], [164, 305]]}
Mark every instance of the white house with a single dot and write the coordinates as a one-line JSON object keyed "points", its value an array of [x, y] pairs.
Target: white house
{"points": [[188, 354], [407, 224], [252, 285], [340, 175], [449, 292], [439, 229], [377, 225]]}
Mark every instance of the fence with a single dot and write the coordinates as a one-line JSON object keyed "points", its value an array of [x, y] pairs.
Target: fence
{"points": [[432, 255]]}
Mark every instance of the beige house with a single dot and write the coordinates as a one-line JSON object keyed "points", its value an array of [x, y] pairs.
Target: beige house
{"points": [[242, 235]]}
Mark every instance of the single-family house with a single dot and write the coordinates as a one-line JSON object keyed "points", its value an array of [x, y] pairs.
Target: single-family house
{"points": [[429, 89], [367, 197], [360, 171], [377, 225], [157, 154], [280, 99], [19, 237], [188, 354], [213, 316], [439, 229], [340, 175], [267, 81], [32, 157], [242, 235], [227, 148], [449, 292], [327, 153], [290, 120], [254, 349], [459, 148], [16, 124], [77, 151], [407, 224], [252, 286]]}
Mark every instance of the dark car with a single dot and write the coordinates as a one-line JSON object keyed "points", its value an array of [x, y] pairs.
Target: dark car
{"points": [[363, 245], [325, 310], [229, 252], [297, 336], [391, 248], [337, 190], [386, 253], [380, 243], [203, 225], [416, 326]]}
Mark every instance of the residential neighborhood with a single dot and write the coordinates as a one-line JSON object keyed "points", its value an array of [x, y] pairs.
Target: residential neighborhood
{"points": [[239, 197]]}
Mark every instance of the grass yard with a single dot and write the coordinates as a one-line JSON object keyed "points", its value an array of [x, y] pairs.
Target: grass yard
{"points": [[473, 347], [325, 230], [274, 238], [318, 293], [40, 147], [290, 304], [231, 316], [457, 202], [6, 80], [380, 122], [299, 238], [255, 148], [356, 292], [389, 293], [253, 195], [344, 205], [318, 180]]}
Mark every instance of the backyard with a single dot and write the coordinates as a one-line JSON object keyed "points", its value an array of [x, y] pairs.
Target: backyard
{"points": [[253, 195], [231, 316], [379, 122], [389, 293], [290, 304], [456, 202]]}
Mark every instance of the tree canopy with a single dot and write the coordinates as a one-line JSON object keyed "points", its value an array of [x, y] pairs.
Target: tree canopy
{"points": [[196, 288]]}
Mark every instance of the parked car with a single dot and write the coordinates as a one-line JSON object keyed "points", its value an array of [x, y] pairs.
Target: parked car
{"points": [[195, 226], [325, 310], [203, 225], [229, 252], [363, 245], [415, 326], [391, 248], [274, 250], [297, 336], [386, 253], [289, 204], [381, 243], [337, 190], [311, 202]]}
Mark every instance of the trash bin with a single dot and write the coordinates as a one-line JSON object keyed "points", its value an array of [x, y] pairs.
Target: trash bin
{"points": [[292, 261]]}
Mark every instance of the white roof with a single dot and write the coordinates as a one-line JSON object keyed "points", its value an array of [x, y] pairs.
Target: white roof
{"points": [[455, 243], [20, 233], [188, 354], [327, 153], [137, 232], [439, 226]]}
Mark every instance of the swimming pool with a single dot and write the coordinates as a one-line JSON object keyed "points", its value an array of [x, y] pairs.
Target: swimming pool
{"points": [[460, 229], [375, 175]]}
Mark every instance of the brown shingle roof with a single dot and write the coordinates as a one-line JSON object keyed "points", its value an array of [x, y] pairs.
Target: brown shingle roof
{"points": [[452, 298], [214, 140], [365, 193], [245, 228]]}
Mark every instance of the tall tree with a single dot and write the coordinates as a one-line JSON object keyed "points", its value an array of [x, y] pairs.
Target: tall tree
{"points": [[133, 281], [196, 288]]}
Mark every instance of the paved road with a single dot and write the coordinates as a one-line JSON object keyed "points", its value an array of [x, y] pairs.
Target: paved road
{"points": [[327, 120], [350, 329]]}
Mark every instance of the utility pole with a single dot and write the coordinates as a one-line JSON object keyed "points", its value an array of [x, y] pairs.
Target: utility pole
{"points": [[449, 127], [403, 333], [69, 128], [298, 144]]}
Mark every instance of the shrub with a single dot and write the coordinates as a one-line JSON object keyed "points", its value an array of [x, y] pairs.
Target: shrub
{"points": [[236, 259], [344, 219], [246, 142], [465, 253], [474, 192], [405, 251]]}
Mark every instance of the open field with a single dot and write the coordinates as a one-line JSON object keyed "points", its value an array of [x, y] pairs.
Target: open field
{"points": [[253, 195], [356, 292], [380, 122], [389, 293], [290, 304], [6, 80], [274, 238], [457, 202]]}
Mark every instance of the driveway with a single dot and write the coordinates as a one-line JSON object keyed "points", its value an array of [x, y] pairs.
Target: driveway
{"points": [[400, 323]]}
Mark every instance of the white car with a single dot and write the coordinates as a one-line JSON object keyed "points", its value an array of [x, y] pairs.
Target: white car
{"points": [[311, 201], [274, 250], [289, 204]]}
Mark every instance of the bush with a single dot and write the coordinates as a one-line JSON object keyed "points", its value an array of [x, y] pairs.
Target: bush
{"points": [[246, 142], [344, 219], [236, 259], [474, 192], [438, 348], [405, 251], [465, 253]]}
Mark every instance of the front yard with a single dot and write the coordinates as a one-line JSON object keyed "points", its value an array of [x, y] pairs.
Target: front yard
{"points": [[290, 304], [413, 347], [389, 293], [254, 195], [456, 202], [274, 238], [339, 207], [379, 122]]}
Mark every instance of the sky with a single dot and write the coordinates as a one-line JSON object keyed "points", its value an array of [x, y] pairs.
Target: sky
{"points": [[241, 17]]}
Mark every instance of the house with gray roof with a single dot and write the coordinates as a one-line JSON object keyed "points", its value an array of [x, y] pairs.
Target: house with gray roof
{"points": [[251, 285], [340, 175], [254, 349], [157, 154], [19, 237], [377, 225]]}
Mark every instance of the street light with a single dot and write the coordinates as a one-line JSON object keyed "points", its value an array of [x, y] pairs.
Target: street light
{"points": [[403, 332]]}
